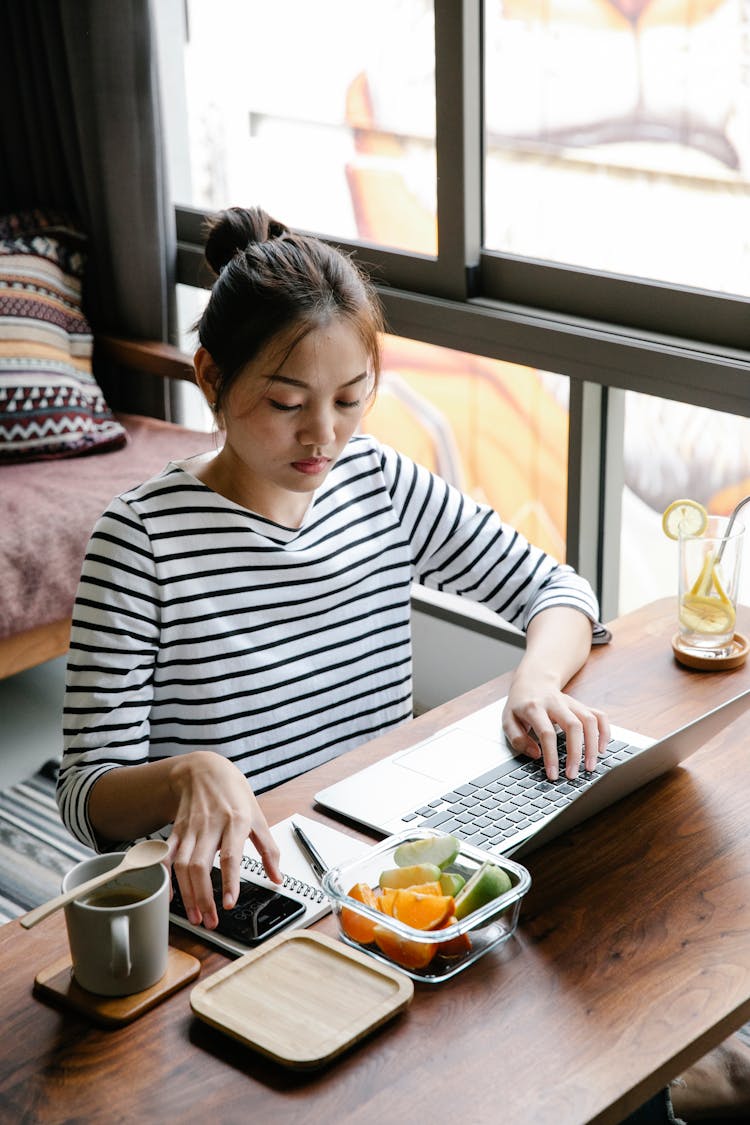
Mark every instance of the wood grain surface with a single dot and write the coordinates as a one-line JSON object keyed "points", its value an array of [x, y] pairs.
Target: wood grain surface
{"points": [[631, 959], [302, 998], [56, 984]]}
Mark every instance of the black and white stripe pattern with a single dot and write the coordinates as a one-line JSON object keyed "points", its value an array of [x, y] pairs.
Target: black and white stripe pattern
{"points": [[200, 625]]}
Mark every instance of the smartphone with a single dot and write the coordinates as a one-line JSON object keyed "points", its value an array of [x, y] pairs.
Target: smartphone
{"points": [[260, 911]]}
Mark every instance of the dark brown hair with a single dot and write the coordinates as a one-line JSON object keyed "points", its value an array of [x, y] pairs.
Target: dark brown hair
{"points": [[273, 283]]}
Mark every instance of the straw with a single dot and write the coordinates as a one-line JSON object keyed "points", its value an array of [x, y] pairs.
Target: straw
{"points": [[728, 531]]}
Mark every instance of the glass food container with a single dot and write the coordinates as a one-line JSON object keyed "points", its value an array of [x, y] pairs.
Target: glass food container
{"points": [[435, 954]]}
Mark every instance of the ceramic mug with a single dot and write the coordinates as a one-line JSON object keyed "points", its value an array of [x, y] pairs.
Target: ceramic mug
{"points": [[118, 934]]}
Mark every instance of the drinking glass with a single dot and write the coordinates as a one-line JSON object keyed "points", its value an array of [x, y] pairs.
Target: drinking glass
{"points": [[709, 575]]}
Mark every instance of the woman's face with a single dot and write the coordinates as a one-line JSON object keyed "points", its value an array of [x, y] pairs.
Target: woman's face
{"points": [[287, 424]]}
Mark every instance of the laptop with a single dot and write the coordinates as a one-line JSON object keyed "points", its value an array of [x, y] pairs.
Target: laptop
{"points": [[468, 781]]}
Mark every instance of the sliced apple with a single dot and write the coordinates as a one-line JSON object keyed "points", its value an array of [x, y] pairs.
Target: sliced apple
{"points": [[409, 876], [451, 882], [486, 884], [440, 850]]}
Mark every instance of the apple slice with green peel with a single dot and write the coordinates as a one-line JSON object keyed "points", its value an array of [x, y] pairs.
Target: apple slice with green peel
{"points": [[440, 850], [489, 882], [451, 882], [399, 877]]}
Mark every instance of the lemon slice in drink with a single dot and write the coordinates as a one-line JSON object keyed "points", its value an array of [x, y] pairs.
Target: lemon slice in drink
{"points": [[704, 581], [684, 517], [716, 581], [702, 614]]}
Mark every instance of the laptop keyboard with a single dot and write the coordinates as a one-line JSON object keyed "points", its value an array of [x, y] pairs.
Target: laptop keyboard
{"points": [[511, 798]]}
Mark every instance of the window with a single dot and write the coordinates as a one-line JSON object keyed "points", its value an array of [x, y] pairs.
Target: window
{"points": [[323, 113], [673, 450], [498, 431], [617, 136], [597, 258]]}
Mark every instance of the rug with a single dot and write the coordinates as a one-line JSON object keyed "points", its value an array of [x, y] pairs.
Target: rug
{"points": [[36, 849]]}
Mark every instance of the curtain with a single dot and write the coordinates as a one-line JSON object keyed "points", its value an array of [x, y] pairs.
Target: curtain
{"points": [[81, 131]]}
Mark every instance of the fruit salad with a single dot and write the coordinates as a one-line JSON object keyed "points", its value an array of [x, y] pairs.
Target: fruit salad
{"points": [[428, 905]]}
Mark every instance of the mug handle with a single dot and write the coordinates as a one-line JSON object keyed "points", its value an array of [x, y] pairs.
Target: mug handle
{"points": [[121, 964]]}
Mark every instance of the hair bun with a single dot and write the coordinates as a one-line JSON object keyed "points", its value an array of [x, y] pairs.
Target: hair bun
{"points": [[231, 231]]}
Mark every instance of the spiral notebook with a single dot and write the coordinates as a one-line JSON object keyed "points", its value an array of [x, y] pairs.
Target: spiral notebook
{"points": [[299, 879], [300, 882]]}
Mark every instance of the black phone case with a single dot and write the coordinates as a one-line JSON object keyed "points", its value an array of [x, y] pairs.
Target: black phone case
{"points": [[260, 911]]}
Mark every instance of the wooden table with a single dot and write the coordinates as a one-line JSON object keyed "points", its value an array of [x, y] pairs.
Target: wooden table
{"points": [[631, 960]]}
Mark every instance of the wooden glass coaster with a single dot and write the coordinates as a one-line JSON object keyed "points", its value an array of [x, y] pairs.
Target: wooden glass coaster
{"points": [[733, 659], [57, 985]]}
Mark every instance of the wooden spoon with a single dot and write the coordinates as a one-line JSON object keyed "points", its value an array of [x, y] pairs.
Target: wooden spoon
{"points": [[145, 853]]}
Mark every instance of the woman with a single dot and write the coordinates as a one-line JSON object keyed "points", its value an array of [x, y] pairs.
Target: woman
{"points": [[244, 616]]}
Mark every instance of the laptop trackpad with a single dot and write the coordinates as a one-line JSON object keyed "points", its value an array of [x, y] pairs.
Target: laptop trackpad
{"points": [[454, 756]]}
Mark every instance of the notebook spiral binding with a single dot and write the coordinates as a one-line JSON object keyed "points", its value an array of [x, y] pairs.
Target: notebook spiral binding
{"points": [[296, 886]]}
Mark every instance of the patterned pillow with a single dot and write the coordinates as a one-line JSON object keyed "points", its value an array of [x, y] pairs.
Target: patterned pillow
{"points": [[50, 403]]}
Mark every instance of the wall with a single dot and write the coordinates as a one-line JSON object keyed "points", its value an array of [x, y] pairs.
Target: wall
{"points": [[450, 659]]}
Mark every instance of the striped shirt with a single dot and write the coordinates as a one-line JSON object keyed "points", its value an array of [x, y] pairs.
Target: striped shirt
{"points": [[201, 625]]}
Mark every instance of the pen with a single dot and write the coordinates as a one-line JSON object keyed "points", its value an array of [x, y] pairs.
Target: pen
{"points": [[311, 852]]}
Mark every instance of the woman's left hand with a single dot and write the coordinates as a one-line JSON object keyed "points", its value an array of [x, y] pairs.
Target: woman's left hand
{"points": [[558, 640], [536, 707]]}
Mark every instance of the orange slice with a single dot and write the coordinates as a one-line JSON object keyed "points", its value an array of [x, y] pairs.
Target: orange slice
{"points": [[422, 912], [457, 946], [355, 925], [384, 901], [409, 954], [426, 889]]}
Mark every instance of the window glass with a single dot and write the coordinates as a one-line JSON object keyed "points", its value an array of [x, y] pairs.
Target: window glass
{"points": [[674, 450], [617, 136], [189, 407], [322, 113], [498, 431]]}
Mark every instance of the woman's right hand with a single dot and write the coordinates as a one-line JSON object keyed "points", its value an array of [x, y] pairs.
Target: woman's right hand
{"points": [[216, 811]]}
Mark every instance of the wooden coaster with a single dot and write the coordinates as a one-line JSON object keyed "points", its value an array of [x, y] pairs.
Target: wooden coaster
{"points": [[57, 985], [708, 663]]}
